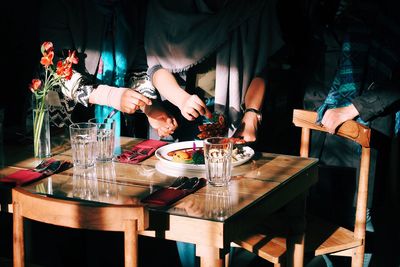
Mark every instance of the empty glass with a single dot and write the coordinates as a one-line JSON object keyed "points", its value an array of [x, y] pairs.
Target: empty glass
{"points": [[85, 184], [218, 160], [108, 187], [105, 138], [219, 203], [83, 137]]}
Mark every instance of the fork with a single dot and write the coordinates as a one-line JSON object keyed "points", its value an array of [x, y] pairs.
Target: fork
{"points": [[142, 152], [42, 165]]}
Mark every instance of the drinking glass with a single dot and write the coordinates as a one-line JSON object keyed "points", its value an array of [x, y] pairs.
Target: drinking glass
{"points": [[105, 138], [108, 187], [85, 184], [218, 160], [83, 137], [219, 203]]}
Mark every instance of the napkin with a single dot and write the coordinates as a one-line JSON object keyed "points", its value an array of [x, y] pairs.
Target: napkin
{"points": [[23, 177], [168, 196], [140, 151]]}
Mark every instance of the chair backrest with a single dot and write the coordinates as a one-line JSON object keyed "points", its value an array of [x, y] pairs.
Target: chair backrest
{"points": [[80, 215], [358, 133]]}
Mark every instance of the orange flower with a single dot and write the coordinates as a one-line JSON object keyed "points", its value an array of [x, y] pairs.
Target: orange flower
{"points": [[72, 58], [47, 59], [46, 48], [64, 69], [35, 85]]}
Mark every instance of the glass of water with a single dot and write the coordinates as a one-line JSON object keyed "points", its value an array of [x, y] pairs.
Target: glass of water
{"points": [[218, 160], [105, 138], [83, 136]]}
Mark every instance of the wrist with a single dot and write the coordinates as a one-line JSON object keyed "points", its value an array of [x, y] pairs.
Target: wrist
{"points": [[254, 113]]}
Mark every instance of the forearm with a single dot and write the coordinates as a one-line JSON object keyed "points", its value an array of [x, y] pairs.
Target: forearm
{"points": [[377, 100], [168, 87], [255, 94], [107, 96]]}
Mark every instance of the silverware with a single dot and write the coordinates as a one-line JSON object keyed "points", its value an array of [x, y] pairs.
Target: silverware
{"points": [[142, 152], [110, 115], [52, 167], [190, 184], [179, 182], [42, 165]]}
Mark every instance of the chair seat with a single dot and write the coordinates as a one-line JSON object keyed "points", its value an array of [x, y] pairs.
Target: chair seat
{"points": [[322, 237], [264, 246]]}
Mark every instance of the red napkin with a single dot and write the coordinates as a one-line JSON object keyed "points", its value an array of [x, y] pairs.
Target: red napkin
{"points": [[167, 196], [22, 177], [141, 151]]}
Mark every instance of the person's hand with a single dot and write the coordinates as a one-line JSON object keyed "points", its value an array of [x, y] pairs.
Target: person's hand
{"points": [[122, 99], [194, 107], [248, 128], [336, 116], [161, 120], [131, 101]]}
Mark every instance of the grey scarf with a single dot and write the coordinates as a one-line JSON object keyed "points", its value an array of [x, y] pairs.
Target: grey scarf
{"points": [[244, 34]]}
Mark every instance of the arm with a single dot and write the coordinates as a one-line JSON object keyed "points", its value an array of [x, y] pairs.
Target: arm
{"points": [[160, 119], [254, 98], [372, 103], [191, 106], [122, 99]]}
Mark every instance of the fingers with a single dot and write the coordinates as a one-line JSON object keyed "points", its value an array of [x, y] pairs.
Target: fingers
{"points": [[194, 107], [131, 101], [330, 122], [138, 99], [168, 128]]}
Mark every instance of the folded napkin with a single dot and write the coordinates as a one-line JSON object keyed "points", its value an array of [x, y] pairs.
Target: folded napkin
{"points": [[23, 177], [140, 151], [168, 196]]}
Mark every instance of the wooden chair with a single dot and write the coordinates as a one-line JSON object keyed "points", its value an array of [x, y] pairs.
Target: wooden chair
{"points": [[322, 237], [73, 214]]}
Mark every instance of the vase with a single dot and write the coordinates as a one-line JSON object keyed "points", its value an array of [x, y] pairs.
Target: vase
{"points": [[41, 133]]}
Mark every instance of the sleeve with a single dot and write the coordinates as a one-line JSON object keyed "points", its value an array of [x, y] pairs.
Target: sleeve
{"points": [[380, 99]]}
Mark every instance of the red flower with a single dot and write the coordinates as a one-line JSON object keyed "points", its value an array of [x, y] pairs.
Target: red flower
{"points": [[72, 58], [47, 59], [46, 48], [64, 69], [35, 85]]}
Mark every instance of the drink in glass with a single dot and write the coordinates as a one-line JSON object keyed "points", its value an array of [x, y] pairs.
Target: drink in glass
{"points": [[218, 160], [83, 136]]}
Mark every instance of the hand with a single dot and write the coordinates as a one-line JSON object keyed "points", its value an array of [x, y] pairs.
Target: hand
{"points": [[248, 128], [161, 120], [131, 101], [336, 116], [194, 107]]}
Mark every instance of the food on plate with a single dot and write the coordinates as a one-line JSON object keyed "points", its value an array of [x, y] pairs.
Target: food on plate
{"points": [[216, 127], [188, 155], [196, 155]]}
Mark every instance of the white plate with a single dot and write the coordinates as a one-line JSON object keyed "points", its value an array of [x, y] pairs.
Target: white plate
{"points": [[162, 155]]}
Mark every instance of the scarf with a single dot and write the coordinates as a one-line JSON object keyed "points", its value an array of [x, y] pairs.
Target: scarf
{"points": [[366, 58], [243, 34], [113, 63]]}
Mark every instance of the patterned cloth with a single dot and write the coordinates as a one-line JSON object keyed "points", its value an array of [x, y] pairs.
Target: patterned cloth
{"points": [[366, 58]]}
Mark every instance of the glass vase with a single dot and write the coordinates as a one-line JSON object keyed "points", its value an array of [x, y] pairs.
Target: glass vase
{"points": [[41, 133]]}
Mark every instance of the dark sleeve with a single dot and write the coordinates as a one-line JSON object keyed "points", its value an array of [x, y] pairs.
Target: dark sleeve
{"points": [[380, 99]]}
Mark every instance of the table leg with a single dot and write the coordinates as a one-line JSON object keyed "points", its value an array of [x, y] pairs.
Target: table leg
{"points": [[295, 240], [210, 256]]}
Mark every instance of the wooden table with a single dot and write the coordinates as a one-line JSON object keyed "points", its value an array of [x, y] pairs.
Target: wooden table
{"points": [[212, 217]]}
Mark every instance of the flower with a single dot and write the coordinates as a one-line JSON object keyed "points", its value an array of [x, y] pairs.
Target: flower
{"points": [[53, 76]]}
